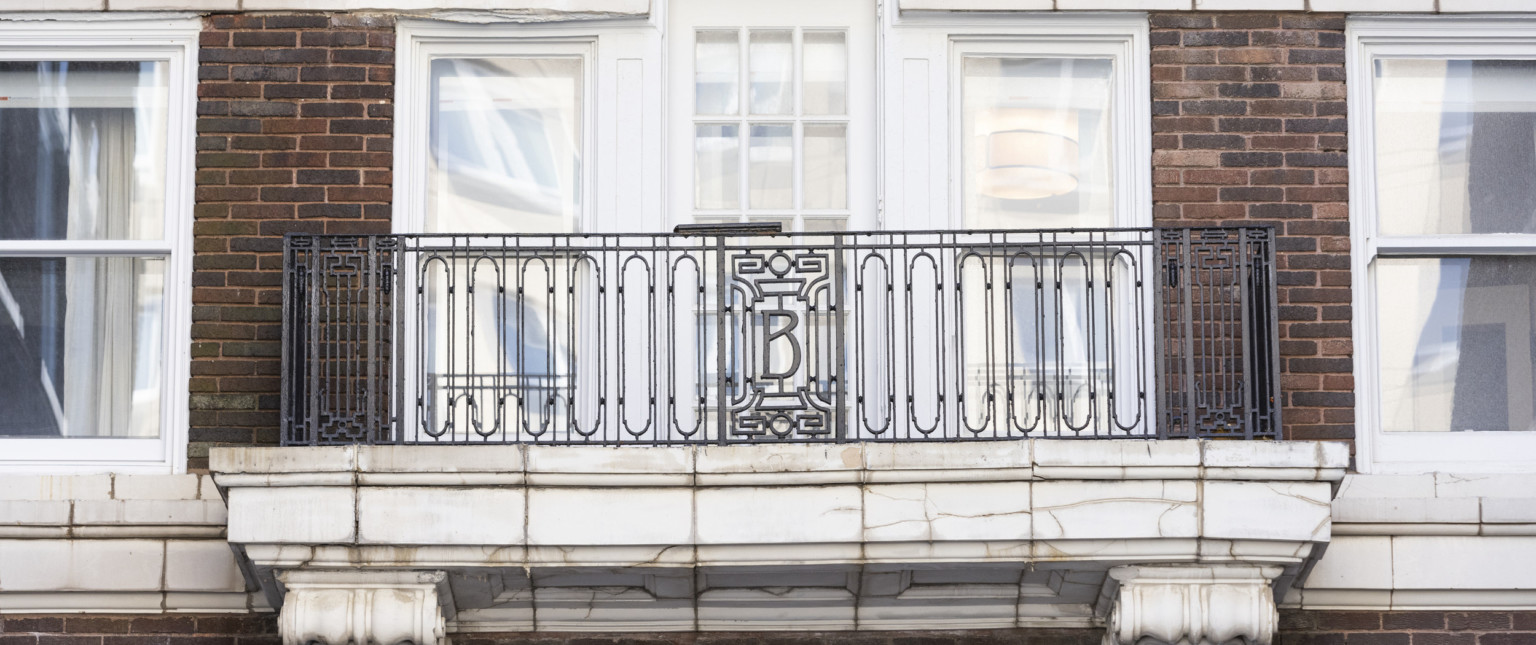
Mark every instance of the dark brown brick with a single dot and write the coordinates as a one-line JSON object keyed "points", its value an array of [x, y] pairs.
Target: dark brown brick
{"points": [[1272, 85], [277, 131]]}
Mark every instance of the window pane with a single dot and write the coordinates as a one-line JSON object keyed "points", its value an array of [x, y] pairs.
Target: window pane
{"points": [[1036, 142], [80, 343], [771, 154], [825, 224], [1455, 146], [82, 150], [505, 145], [1457, 350], [717, 166], [825, 178], [825, 88], [716, 67], [771, 63]]}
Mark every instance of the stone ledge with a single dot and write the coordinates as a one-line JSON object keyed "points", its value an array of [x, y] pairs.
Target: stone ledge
{"points": [[839, 536], [779, 464]]}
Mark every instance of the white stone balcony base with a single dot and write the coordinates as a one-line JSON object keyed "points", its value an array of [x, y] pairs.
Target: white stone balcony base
{"points": [[787, 537]]}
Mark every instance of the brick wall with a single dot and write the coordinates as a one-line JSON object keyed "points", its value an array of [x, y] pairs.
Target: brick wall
{"points": [[971, 637], [169, 629], [1296, 628], [294, 134], [1248, 126], [1407, 628]]}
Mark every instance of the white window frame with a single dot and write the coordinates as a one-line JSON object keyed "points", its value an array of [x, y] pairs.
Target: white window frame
{"points": [[171, 39], [860, 118], [921, 134], [1437, 37], [621, 134], [621, 130]]}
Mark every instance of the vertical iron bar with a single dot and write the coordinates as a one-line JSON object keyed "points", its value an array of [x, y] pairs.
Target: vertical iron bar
{"points": [[837, 342], [721, 396]]}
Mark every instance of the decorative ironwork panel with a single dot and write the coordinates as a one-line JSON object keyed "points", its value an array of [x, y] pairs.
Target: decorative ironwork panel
{"points": [[781, 304], [733, 335], [1218, 336], [338, 339]]}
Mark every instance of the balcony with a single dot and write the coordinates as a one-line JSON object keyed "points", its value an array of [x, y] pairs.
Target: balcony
{"points": [[734, 429], [740, 334]]}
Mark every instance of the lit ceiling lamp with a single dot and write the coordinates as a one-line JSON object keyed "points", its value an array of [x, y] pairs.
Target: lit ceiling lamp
{"points": [[1031, 153]]}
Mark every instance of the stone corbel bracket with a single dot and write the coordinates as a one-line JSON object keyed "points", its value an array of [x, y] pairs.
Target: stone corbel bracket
{"points": [[1193, 605], [338, 607]]}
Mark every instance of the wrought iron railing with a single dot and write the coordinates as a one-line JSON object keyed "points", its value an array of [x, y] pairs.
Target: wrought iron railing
{"points": [[723, 336]]}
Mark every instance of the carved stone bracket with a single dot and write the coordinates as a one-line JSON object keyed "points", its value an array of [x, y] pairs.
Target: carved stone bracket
{"points": [[1193, 605], [362, 607]]}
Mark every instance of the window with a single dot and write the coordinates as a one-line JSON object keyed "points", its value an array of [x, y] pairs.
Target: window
{"points": [[504, 129], [1016, 121], [1445, 221], [773, 110], [504, 144], [1035, 134], [95, 202], [1050, 124]]}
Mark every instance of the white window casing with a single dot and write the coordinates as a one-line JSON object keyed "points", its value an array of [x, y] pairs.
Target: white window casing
{"points": [[620, 181], [921, 107], [1400, 231], [121, 416]]}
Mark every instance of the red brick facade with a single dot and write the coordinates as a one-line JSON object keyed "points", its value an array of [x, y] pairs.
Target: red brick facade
{"points": [[1407, 628], [1297, 628], [169, 629], [1248, 126], [971, 637], [294, 134]]}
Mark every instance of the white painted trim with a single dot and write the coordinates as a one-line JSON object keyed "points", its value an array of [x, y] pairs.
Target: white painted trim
{"points": [[929, 42], [1505, 36], [172, 38], [862, 28], [152, 24], [605, 43]]}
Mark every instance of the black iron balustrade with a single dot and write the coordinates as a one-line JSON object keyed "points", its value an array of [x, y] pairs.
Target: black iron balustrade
{"points": [[724, 336]]}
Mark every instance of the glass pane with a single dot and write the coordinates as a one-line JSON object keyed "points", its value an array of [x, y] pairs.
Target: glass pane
{"points": [[716, 66], [771, 66], [771, 154], [825, 86], [717, 166], [82, 150], [1455, 146], [825, 224], [1036, 148], [1457, 350], [80, 343], [504, 152], [825, 174]]}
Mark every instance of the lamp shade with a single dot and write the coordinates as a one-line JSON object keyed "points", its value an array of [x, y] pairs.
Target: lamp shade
{"points": [[1029, 164]]}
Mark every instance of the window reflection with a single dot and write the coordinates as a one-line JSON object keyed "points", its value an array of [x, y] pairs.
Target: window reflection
{"points": [[1456, 146], [1457, 350], [1036, 142], [505, 145]]}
